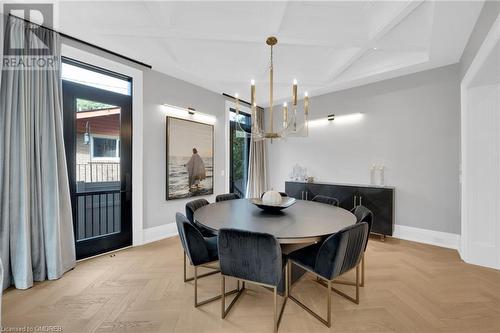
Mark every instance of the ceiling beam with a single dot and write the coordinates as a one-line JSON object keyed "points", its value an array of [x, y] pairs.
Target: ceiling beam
{"points": [[381, 32]]}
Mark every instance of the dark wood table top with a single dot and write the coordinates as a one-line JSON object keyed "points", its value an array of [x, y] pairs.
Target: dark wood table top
{"points": [[303, 222]]}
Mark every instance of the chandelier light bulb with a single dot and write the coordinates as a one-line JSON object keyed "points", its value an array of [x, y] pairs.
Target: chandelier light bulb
{"points": [[259, 130], [306, 94]]}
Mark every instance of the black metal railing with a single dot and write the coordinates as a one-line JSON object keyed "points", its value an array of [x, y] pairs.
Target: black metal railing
{"points": [[93, 172], [98, 213]]}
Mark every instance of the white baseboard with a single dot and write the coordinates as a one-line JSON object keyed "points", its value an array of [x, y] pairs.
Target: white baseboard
{"points": [[438, 238], [160, 232]]}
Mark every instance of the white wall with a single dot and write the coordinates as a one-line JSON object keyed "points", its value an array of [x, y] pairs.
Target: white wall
{"points": [[488, 15], [410, 124], [480, 242], [159, 89]]}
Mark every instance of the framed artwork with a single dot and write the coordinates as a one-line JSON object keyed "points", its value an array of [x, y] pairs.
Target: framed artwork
{"points": [[190, 158]]}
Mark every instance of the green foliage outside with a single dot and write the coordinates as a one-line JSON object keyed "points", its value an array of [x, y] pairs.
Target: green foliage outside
{"points": [[85, 105]]}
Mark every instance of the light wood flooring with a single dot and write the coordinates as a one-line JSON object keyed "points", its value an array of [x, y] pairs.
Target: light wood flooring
{"points": [[410, 287]]}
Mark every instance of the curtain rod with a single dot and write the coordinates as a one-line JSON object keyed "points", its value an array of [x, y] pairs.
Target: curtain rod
{"points": [[241, 101], [87, 43]]}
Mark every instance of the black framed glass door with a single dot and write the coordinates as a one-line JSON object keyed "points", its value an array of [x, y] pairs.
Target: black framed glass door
{"points": [[98, 141], [239, 152]]}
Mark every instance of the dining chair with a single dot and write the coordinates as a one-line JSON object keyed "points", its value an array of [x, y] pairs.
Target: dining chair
{"points": [[179, 219], [338, 254], [255, 258], [201, 251], [283, 194], [191, 207], [362, 214], [326, 200], [226, 197]]}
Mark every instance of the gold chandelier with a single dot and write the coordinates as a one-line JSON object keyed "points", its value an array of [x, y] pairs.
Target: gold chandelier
{"points": [[289, 126]]}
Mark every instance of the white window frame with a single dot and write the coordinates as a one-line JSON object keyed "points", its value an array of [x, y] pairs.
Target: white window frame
{"points": [[104, 159]]}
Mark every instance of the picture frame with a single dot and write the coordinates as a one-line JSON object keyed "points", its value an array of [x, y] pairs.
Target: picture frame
{"points": [[189, 158]]}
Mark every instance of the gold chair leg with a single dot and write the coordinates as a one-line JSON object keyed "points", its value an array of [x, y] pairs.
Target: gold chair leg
{"points": [[186, 279], [362, 271], [275, 309], [196, 303], [328, 321], [350, 298], [225, 311], [278, 315], [351, 283]]}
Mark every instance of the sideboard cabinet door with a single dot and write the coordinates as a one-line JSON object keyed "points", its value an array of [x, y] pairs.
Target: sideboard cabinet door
{"points": [[295, 190]]}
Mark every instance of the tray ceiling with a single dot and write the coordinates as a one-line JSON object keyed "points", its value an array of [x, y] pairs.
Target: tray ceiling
{"points": [[327, 46]]}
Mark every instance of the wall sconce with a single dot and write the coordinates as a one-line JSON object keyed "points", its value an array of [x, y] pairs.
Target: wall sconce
{"points": [[332, 119], [188, 113], [86, 136]]}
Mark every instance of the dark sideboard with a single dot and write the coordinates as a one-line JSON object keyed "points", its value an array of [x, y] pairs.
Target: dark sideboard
{"points": [[379, 199]]}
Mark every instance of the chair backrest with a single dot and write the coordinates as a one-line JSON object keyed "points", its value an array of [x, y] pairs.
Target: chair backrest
{"points": [[341, 251], [192, 206], [192, 241], [283, 194], [363, 214], [226, 197], [251, 256], [326, 200]]}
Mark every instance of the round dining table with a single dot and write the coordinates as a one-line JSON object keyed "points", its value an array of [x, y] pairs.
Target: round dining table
{"points": [[304, 222]]}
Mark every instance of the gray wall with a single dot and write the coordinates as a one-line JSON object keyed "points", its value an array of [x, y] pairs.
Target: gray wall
{"points": [[159, 89], [488, 15], [410, 124]]}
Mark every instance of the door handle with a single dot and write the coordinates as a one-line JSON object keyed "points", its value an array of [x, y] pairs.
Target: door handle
{"points": [[307, 195], [360, 198], [355, 197], [302, 196]]}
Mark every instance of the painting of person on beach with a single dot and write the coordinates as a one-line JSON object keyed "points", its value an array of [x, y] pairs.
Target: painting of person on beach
{"points": [[189, 158]]}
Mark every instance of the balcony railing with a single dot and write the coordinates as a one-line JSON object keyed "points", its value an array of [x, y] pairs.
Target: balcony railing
{"points": [[94, 172], [98, 199]]}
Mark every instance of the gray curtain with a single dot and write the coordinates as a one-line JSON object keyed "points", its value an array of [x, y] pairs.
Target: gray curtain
{"points": [[257, 171], [36, 227]]}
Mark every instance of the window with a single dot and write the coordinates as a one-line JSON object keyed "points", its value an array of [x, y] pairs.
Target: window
{"points": [[106, 81], [105, 148], [239, 149]]}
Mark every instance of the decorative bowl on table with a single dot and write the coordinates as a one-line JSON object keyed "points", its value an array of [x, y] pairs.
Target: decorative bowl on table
{"points": [[272, 201]]}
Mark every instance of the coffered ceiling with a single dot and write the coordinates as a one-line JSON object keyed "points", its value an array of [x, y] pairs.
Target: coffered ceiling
{"points": [[326, 46]]}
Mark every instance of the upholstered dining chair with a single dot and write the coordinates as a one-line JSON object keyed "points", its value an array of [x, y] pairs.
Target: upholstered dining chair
{"points": [[191, 207], [336, 255], [201, 251], [283, 194], [255, 258], [326, 200], [362, 214], [226, 197]]}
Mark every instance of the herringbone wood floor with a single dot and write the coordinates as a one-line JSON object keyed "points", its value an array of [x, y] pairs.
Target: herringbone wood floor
{"points": [[410, 287]]}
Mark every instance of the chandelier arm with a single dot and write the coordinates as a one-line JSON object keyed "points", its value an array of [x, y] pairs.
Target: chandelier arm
{"points": [[289, 124]]}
